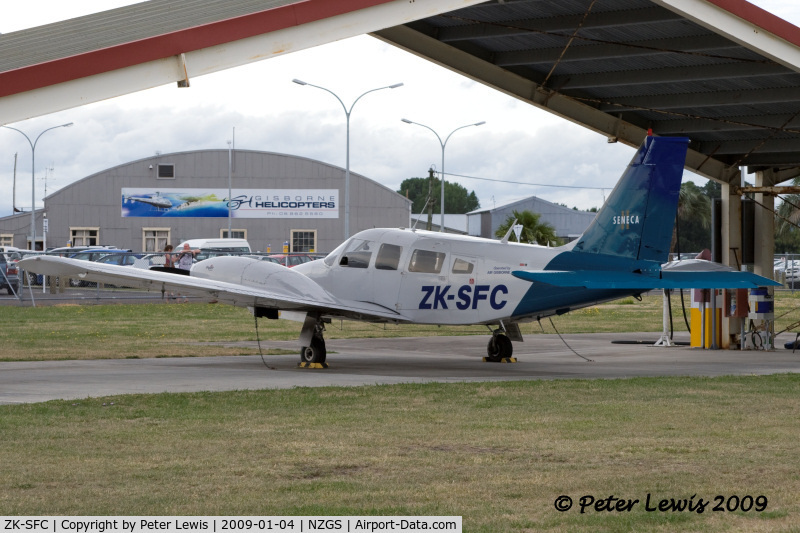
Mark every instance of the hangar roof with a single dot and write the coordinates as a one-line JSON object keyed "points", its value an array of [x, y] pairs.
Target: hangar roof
{"points": [[722, 72]]}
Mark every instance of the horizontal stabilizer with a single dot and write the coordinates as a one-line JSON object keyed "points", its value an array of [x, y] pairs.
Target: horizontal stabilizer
{"points": [[609, 279]]}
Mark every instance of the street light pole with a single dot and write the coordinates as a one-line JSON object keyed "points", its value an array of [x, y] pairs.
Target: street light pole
{"points": [[229, 189], [347, 163], [33, 174], [443, 145]]}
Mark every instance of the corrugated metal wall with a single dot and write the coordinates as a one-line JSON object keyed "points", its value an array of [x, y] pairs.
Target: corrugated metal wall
{"points": [[95, 201]]}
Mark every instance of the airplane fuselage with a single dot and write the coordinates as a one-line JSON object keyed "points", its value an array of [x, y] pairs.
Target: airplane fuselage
{"points": [[439, 278], [410, 276]]}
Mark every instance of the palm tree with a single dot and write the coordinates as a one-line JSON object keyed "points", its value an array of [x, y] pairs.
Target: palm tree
{"points": [[788, 212], [693, 206], [533, 231]]}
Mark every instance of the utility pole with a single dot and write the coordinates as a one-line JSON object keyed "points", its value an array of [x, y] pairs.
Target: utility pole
{"points": [[14, 193], [429, 227]]}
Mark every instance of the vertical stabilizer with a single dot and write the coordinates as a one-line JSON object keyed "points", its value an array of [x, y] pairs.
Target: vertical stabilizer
{"points": [[637, 219]]}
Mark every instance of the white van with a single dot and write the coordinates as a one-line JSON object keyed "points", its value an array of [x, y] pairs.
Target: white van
{"points": [[228, 245]]}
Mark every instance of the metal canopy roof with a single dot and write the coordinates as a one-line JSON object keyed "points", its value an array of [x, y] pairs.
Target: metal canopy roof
{"points": [[730, 82], [153, 43], [722, 72]]}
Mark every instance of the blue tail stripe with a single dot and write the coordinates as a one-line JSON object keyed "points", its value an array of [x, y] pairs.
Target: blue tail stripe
{"points": [[637, 219]]}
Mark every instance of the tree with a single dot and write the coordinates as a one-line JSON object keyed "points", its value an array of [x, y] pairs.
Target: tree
{"points": [[787, 218], [457, 200], [712, 189], [533, 231], [693, 220]]}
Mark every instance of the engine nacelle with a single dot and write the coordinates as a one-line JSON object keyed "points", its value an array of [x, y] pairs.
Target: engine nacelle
{"points": [[263, 275]]}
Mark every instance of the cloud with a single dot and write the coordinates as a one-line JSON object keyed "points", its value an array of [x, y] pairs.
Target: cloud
{"points": [[106, 135]]}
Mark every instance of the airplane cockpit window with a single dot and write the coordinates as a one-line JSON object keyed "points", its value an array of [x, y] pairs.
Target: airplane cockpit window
{"points": [[357, 254], [330, 259], [426, 261], [461, 266], [388, 257]]}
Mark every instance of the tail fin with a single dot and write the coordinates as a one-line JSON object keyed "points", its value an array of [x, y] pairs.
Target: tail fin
{"points": [[637, 219]]}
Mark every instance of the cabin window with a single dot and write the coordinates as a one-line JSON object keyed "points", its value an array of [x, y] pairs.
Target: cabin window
{"points": [[462, 267], [357, 254], [330, 259], [388, 257], [426, 261]]}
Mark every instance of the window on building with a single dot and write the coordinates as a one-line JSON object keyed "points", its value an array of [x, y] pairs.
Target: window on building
{"points": [[166, 172], [84, 236], [235, 234], [426, 261], [304, 240], [6, 239], [155, 239], [388, 257]]}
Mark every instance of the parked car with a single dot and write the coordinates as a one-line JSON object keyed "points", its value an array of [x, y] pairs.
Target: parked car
{"points": [[119, 258], [150, 260], [264, 258], [94, 254], [222, 245], [9, 277], [292, 260]]}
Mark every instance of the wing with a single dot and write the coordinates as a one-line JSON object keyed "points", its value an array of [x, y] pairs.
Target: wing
{"points": [[239, 281], [599, 279]]}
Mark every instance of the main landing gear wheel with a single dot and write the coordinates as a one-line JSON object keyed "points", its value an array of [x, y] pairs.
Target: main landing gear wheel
{"points": [[499, 348], [315, 353]]}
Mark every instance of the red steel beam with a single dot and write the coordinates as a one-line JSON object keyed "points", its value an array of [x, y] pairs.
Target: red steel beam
{"points": [[761, 18], [174, 43]]}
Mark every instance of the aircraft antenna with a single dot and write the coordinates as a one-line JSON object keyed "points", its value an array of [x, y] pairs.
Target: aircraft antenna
{"points": [[504, 240]]}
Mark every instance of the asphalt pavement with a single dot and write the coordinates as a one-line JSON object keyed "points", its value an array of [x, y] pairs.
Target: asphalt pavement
{"points": [[355, 362]]}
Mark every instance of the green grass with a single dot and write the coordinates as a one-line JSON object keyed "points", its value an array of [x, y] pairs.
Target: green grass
{"points": [[159, 330], [498, 454]]}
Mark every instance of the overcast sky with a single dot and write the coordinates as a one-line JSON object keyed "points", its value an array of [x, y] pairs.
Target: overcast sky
{"points": [[270, 113]]}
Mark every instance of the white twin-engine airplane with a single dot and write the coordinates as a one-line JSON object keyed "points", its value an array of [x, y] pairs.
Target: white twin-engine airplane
{"points": [[419, 277]]}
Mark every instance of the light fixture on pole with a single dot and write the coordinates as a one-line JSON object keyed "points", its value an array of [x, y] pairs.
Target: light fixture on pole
{"points": [[347, 164], [443, 144], [33, 173]]}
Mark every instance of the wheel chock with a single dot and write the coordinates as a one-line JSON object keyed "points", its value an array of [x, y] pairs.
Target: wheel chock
{"points": [[503, 360], [312, 365]]}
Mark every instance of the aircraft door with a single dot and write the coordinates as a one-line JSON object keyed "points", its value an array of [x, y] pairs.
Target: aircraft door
{"points": [[464, 284], [354, 277], [387, 274], [424, 290]]}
